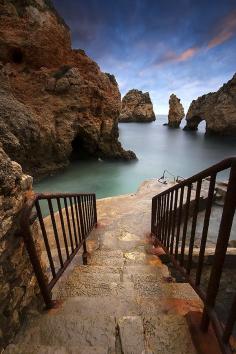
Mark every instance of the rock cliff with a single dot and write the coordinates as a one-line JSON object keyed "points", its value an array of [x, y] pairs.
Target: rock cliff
{"points": [[55, 103], [18, 286], [218, 109], [137, 107], [176, 112]]}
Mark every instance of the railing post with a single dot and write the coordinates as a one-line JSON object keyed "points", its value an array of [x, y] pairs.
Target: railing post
{"points": [[29, 243], [221, 246], [95, 210], [154, 212], [85, 253]]}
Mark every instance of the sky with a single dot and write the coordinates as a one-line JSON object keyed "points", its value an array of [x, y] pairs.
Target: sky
{"points": [[186, 47]]}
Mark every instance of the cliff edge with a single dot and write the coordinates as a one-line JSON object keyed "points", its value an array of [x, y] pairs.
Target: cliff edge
{"points": [[55, 103]]}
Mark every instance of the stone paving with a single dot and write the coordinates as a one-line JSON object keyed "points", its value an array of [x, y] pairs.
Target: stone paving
{"points": [[124, 300]]}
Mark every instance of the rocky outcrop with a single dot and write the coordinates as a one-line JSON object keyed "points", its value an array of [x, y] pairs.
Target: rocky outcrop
{"points": [[55, 103], [176, 112], [18, 287], [137, 107], [218, 109]]}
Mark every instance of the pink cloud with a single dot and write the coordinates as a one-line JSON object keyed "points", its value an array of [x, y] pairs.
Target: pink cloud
{"points": [[187, 54], [171, 56], [226, 30]]}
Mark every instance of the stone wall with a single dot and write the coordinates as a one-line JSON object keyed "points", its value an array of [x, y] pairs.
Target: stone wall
{"points": [[19, 291]]}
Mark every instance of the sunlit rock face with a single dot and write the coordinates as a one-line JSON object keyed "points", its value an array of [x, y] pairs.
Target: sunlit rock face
{"points": [[176, 112], [137, 107], [218, 109], [55, 103]]}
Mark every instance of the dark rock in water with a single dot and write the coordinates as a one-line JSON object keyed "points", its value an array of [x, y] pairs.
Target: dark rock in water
{"points": [[176, 112], [165, 124], [218, 109], [137, 107], [53, 100]]}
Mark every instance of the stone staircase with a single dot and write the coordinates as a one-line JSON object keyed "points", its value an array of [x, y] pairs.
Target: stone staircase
{"points": [[123, 302]]}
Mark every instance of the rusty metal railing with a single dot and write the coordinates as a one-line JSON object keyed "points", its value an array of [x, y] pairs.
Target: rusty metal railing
{"points": [[170, 220], [63, 232]]}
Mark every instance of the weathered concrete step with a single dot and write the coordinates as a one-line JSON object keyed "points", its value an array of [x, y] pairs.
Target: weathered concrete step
{"points": [[96, 269], [82, 306], [107, 258], [140, 257], [92, 287], [45, 349], [167, 334], [146, 270], [69, 330], [165, 290], [131, 335]]}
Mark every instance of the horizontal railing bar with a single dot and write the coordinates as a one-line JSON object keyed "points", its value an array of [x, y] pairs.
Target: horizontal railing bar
{"points": [[223, 165], [60, 195]]}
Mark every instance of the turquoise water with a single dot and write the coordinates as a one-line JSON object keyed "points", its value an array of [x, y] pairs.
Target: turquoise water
{"points": [[157, 148]]}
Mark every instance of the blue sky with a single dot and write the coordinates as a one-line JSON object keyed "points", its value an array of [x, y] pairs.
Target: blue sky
{"points": [[186, 47]]}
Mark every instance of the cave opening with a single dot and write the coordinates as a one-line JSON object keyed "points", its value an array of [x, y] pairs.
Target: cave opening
{"points": [[16, 55], [80, 149]]}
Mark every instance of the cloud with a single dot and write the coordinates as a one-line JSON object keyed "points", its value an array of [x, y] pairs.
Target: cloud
{"points": [[226, 30]]}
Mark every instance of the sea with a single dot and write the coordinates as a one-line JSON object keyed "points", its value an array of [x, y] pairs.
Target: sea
{"points": [[158, 148]]}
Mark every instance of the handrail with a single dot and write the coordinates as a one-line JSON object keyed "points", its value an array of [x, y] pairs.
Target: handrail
{"points": [[220, 166], [71, 226], [171, 209]]}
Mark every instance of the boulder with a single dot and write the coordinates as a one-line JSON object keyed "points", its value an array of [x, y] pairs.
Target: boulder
{"points": [[176, 112], [218, 109], [137, 107]]}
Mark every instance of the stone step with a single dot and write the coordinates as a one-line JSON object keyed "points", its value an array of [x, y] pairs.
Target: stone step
{"points": [[83, 306], [114, 258], [167, 334], [70, 330], [131, 335], [46, 349], [89, 284], [130, 270]]}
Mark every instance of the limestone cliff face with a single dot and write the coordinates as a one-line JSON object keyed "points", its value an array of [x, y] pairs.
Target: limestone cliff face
{"points": [[55, 103], [137, 107], [19, 291], [176, 112], [218, 109]]}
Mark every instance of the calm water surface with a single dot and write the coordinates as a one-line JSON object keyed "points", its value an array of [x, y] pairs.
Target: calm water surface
{"points": [[157, 148]]}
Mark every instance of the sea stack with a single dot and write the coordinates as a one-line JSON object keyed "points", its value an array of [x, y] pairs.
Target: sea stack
{"points": [[176, 112], [218, 109], [137, 107]]}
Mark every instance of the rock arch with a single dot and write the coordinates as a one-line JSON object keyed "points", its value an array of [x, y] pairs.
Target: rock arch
{"points": [[193, 122]]}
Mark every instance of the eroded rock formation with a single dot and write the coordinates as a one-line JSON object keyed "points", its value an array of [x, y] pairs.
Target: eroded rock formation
{"points": [[18, 287], [218, 109], [176, 112], [137, 107], [55, 103]]}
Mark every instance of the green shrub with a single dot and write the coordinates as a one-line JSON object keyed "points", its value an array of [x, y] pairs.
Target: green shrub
{"points": [[61, 72]]}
